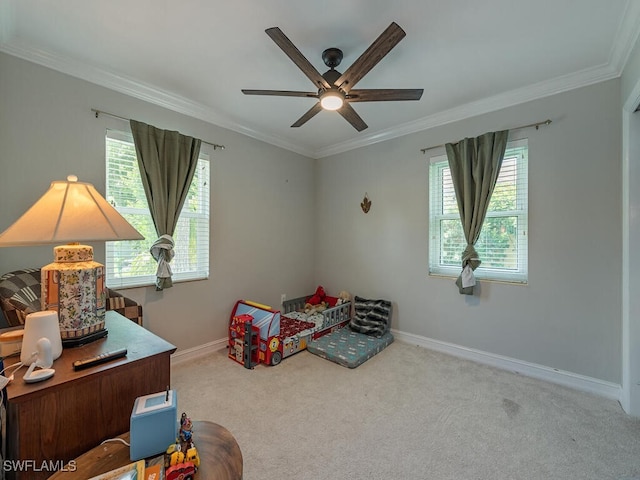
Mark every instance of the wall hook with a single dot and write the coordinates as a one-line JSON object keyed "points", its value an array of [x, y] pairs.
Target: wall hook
{"points": [[365, 204]]}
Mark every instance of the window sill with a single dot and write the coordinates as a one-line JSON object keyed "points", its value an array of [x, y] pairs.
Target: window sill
{"points": [[146, 283], [516, 283]]}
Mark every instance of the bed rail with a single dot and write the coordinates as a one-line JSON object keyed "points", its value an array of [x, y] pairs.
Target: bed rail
{"points": [[338, 314], [294, 304], [331, 316]]}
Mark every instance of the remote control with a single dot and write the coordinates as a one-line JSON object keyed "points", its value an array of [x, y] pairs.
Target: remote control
{"points": [[98, 359]]}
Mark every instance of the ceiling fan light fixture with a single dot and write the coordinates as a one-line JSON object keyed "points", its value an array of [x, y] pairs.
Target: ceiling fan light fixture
{"points": [[335, 88], [331, 100]]}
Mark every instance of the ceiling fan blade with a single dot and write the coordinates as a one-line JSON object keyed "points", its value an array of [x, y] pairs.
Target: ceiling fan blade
{"points": [[280, 93], [312, 112], [352, 117], [372, 55], [296, 56], [384, 94]]}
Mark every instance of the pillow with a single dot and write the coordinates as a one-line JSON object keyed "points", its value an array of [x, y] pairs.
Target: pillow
{"points": [[371, 317]]}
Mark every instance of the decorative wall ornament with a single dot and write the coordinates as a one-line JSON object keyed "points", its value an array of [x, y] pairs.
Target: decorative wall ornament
{"points": [[365, 204]]}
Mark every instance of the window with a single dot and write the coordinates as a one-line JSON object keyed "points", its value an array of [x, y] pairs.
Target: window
{"points": [[502, 246], [128, 263]]}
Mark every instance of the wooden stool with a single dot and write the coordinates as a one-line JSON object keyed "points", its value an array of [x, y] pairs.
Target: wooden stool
{"points": [[220, 456]]}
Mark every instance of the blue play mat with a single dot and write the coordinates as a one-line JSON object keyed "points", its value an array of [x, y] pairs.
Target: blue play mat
{"points": [[348, 348]]}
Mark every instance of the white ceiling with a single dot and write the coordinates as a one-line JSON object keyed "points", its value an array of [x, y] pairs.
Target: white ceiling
{"points": [[194, 56]]}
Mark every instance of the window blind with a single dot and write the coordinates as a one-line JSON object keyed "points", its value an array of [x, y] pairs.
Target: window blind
{"points": [[502, 246], [128, 263]]}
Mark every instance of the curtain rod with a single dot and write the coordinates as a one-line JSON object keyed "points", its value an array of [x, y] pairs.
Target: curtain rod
{"points": [[537, 125], [99, 112]]}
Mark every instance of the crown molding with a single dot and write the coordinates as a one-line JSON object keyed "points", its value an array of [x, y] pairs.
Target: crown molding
{"points": [[626, 36], [625, 40], [141, 90], [623, 44], [473, 109]]}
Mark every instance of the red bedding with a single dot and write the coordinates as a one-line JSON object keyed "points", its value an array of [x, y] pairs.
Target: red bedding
{"points": [[291, 326]]}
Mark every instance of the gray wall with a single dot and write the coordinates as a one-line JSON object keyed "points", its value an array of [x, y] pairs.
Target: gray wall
{"points": [[569, 315], [47, 132]]}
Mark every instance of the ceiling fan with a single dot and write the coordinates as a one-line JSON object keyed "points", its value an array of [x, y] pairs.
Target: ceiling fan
{"points": [[336, 90]]}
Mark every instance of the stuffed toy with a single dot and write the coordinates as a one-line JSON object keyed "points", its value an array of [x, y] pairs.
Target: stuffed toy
{"points": [[318, 297], [311, 309], [343, 297]]}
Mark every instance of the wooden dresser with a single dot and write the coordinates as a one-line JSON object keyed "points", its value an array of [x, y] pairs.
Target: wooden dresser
{"points": [[51, 422]]}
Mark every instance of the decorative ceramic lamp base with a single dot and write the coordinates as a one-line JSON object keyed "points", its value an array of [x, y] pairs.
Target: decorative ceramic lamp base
{"points": [[73, 285]]}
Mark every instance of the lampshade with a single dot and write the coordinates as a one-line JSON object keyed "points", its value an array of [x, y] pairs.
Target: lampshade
{"points": [[331, 100], [73, 285], [70, 211]]}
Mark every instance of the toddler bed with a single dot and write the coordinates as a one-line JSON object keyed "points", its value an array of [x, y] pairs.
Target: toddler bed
{"points": [[298, 327], [260, 334], [336, 316], [366, 335]]}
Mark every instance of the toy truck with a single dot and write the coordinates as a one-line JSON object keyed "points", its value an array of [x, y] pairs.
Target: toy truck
{"points": [[181, 460], [256, 335], [181, 471]]}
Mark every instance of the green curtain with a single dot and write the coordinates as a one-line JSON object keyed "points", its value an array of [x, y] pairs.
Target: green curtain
{"points": [[167, 161], [475, 164]]}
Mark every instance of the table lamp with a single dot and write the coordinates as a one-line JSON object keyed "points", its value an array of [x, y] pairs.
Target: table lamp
{"points": [[73, 285]]}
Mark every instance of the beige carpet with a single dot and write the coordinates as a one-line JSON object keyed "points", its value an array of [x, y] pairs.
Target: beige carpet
{"points": [[408, 413]]}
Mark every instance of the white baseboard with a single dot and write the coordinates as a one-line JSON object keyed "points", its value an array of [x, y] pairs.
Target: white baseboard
{"points": [[200, 351], [560, 377], [553, 375]]}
